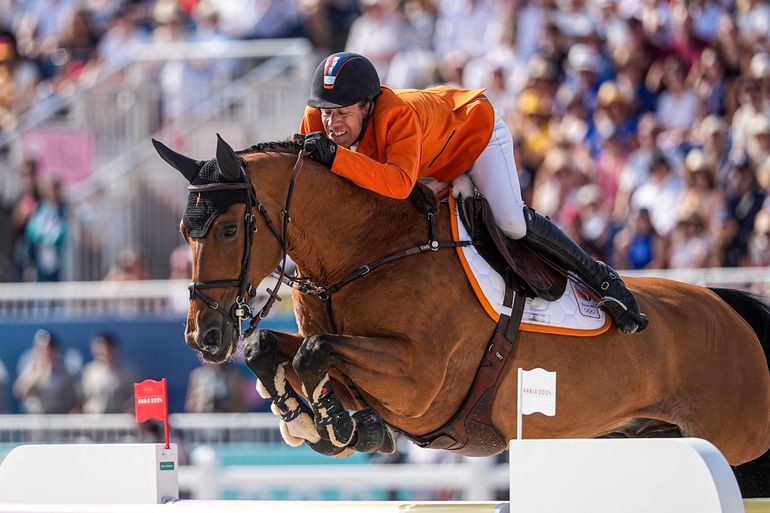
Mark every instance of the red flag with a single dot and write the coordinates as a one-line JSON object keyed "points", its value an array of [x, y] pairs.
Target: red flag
{"points": [[151, 400]]}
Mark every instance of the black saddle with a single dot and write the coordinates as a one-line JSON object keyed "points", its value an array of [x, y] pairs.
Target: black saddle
{"points": [[508, 256], [513, 260]]}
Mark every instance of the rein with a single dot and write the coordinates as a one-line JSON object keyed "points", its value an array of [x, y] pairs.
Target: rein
{"points": [[305, 285]]}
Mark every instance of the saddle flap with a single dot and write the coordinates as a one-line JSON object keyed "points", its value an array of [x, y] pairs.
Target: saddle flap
{"points": [[503, 253]]}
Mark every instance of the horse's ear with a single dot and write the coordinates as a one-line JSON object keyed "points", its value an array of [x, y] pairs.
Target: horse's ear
{"points": [[228, 162], [185, 165]]}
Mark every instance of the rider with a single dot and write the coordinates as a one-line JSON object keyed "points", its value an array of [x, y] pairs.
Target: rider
{"points": [[383, 140]]}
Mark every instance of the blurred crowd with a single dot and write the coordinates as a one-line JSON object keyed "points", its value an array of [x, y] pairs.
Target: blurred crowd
{"points": [[52, 377], [642, 127]]}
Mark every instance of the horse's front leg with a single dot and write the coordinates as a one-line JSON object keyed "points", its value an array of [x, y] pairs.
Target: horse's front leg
{"points": [[364, 431], [268, 354]]}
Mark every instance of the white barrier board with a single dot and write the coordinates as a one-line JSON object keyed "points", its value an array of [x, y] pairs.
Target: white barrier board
{"points": [[90, 473], [621, 475]]}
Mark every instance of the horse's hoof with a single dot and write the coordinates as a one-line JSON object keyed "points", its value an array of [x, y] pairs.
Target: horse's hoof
{"points": [[326, 448], [372, 435]]}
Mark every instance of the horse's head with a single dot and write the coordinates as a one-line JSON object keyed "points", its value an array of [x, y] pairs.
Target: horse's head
{"points": [[228, 260]]}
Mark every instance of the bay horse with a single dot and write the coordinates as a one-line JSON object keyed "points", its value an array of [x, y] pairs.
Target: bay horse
{"points": [[400, 344]]}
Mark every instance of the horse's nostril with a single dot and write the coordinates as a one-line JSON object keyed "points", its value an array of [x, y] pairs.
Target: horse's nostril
{"points": [[211, 340]]}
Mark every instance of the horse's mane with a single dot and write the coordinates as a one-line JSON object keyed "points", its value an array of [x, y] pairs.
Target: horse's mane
{"points": [[273, 146], [419, 197]]}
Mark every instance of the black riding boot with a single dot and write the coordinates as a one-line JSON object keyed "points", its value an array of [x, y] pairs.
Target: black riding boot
{"points": [[616, 299]]}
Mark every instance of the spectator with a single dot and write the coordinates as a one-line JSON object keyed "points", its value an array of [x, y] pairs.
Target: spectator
{"points": [[107, 385], [751, 103], [583, 66], [377, 33], [614, 116], [638, 245], [678, 105], [692, 246], [129, 266], [19, 78], [660, 195], [415, 66], [215, 387], [185, 84], [180, 262], [702, 196], [759, 243], [121, 37], [77, 46], [44, 384], [758, 145], [461, 28], [46, 233], [707, 79], [256, 19], [712, 137], [685, 43], [744, 201], [636, 170], [25, 206], [590, 215], [556, 181]]}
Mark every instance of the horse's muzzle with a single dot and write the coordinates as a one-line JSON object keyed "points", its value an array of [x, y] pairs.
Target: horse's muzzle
{"points": [[213, 343]]}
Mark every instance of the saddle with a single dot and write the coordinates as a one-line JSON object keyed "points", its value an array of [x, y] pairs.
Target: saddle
{"points": [[511, 259], [508, 256]]}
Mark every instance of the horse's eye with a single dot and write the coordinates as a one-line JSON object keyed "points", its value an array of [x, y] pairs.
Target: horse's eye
{"points": [[231, 230]]}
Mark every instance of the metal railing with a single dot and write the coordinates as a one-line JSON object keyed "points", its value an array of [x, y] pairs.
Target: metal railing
{"points": [[142, 298], [193, 428], [72, 300]]}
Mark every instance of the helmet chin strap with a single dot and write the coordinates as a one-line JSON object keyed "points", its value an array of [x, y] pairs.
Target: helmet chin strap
{"points": [[365, 122]]}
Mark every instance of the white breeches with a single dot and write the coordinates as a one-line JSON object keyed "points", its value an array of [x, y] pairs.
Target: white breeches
{"points": [[494, 175]]}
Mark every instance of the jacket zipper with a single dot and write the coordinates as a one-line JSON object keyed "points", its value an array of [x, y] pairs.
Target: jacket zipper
{"points": [[442, 149]]}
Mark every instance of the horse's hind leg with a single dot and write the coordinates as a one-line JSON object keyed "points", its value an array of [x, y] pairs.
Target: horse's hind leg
{"points": [[262, 356], [364, 431]]}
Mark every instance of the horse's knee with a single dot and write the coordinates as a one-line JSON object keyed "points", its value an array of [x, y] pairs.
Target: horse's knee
{"points": [[260, 351], [313, 356]]}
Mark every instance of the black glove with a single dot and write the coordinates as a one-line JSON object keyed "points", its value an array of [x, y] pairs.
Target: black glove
{"points": [[320, 148], [298, 138]]}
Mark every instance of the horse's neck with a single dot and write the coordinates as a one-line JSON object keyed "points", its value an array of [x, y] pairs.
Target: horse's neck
{"points": [[337, 226]]}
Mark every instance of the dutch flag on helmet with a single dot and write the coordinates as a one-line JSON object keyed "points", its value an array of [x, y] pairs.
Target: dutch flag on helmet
{"points": [[332, 67]]}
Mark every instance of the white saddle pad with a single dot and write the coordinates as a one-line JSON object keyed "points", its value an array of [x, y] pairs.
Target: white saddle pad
{"points": [[575, 313]]}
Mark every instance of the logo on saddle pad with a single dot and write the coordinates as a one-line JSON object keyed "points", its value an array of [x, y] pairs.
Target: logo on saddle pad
{"points": [[586, 304]]}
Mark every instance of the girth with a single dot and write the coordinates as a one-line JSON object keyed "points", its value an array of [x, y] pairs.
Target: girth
{"points": [[470, 431]]}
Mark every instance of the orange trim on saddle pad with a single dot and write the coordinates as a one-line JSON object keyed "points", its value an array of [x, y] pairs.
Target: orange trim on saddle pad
{"points": [[490, 310]]}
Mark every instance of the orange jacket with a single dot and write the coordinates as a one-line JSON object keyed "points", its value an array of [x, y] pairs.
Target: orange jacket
{"points": [[438, 132]]}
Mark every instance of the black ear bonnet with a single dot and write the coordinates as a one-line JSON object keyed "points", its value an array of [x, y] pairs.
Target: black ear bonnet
{"points": [[203, 207]]}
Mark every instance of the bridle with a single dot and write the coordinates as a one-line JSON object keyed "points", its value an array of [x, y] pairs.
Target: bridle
{"points": [[241, 311]]}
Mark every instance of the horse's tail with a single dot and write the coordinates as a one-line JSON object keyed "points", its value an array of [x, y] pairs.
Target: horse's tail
{"points": [[753, 477], [754, 309]]}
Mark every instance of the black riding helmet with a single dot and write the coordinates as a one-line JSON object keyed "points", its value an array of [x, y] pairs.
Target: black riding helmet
{"points": [[343, 79]]}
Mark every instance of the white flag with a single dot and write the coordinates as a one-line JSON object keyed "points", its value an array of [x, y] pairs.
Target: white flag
{"points": [[538, 392]]}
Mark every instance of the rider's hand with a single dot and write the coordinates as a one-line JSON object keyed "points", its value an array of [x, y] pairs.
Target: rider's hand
{"points": [[320, 148], [298, 138]]}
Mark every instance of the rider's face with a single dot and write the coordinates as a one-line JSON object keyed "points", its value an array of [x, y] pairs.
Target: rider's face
{"points": [[343, 126]]}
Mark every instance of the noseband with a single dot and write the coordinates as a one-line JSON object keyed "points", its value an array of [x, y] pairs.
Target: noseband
{"points": [[241, 311]]}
